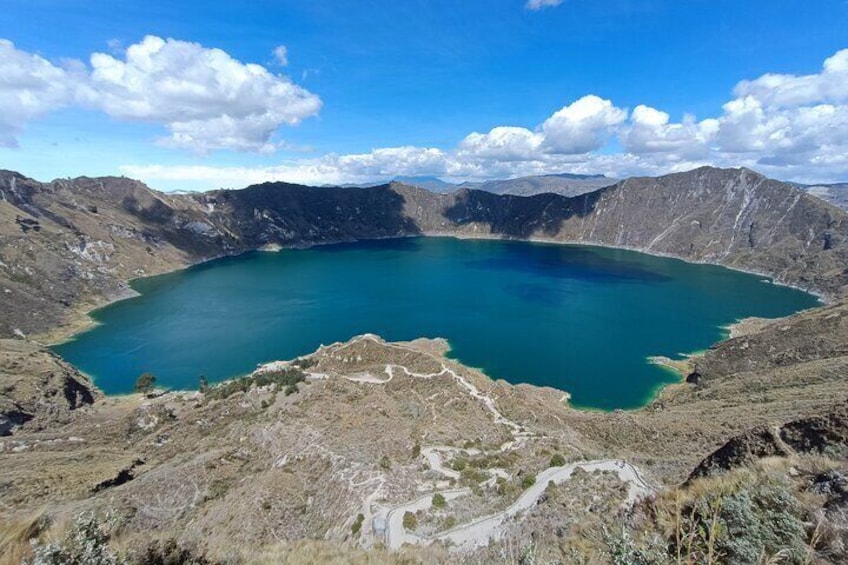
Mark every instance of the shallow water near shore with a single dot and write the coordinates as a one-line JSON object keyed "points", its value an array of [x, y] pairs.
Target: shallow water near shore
{"points": [[578, 318]]}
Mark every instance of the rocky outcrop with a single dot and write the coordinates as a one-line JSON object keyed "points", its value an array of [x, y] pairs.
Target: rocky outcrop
{"points": [[741, 450], [824, 435], [38, 389], [821, 435]]}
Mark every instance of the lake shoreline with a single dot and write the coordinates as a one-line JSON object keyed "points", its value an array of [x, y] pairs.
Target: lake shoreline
{"points": [[648, 399], [81, 316]]}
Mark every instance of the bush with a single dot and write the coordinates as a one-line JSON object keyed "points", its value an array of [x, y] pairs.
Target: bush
{"points": [[744, 520], [528, 481], [459, 465], [86, 543], [761, 519], [439, 500], [287, 379], [356, 527], [410, 522], [557, 460]]}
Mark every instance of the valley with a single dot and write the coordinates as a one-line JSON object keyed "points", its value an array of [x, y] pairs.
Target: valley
{"points": [[344, 464]]}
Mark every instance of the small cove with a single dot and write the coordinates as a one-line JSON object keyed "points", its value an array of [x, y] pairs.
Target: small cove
{"points": [[578, 318]]}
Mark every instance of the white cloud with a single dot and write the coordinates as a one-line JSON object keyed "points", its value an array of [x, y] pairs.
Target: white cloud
{"points": [[539, 4], [584, 126], [779, 90], [649, 131], [503, 144], [794, 126], [207, 99], [30, 87], [581, 127], [281, 54], [797, 129], [203, 97]]}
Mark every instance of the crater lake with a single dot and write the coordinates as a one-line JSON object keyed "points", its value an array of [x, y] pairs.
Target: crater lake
{"points": [[578, 318]]}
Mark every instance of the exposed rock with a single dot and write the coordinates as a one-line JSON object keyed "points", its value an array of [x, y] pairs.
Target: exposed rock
{"points": [[124, 476], [756, 444], [827, 434], [37, 388], [822, 435]]}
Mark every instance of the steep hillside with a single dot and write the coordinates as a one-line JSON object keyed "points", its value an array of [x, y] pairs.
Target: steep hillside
{"points": [[37, 389], [69, 245], [732, 217], [349, 446]]}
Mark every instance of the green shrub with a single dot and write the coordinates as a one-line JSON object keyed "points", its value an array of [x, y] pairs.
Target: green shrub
{"points": [[557, 460], [86, 543], [410, 522], [356, 527], [439, 500], [459, 464], [449, 522], [169, 553], [761, 518], [528, 481], [286, 379]]}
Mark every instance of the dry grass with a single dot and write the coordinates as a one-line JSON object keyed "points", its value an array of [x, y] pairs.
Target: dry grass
{"points": [[15, 534]]}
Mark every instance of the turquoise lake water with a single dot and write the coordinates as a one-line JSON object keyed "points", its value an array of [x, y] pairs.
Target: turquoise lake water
{"points": [[581, 319]]}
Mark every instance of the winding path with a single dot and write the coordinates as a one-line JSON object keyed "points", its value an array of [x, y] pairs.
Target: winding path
{"points": [[479, 532]]}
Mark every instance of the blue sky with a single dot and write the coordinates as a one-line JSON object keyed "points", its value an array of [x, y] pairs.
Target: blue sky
{"points": [[414, 79]]}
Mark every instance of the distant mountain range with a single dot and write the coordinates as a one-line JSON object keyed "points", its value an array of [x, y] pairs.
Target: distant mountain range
{"points": [[564, 184], [836, 194], [568, 184]]}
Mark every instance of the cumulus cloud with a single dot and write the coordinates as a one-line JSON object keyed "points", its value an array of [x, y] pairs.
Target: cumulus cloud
{"points": [[539, 4], [503, 144], [207, 99], [793, 127], [649, 131], [204, 98], [30, 87], [583, 126], [780, 90]]}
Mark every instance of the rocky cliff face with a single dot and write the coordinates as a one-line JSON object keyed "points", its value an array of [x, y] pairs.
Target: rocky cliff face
{"points": [[69, 245]]}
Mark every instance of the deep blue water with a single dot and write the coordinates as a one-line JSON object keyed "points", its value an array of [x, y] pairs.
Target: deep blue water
{"points": [[581, 319]]}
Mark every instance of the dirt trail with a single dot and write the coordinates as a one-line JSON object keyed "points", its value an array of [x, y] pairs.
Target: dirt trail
{"points": [[480, 531]]}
